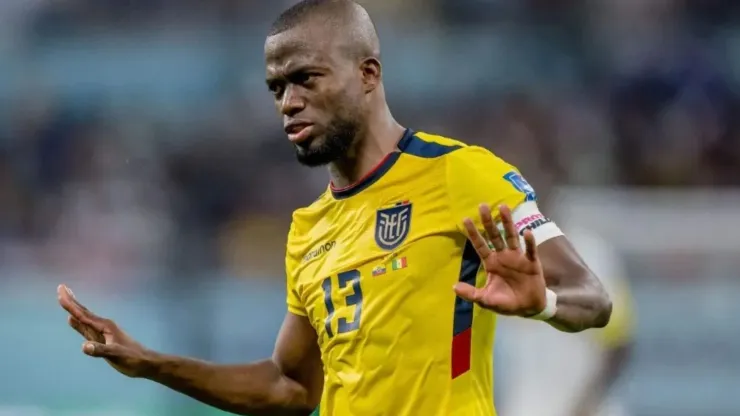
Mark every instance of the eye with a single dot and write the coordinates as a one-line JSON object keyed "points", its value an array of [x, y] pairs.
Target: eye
{"points": [[275, 88], [304, 78]]}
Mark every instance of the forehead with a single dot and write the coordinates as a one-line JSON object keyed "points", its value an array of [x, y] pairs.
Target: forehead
{"points": [[300, 47]]}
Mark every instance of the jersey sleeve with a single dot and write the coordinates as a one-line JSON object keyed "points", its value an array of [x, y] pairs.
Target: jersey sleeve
{"points": [[295, 305], [476, 176]]}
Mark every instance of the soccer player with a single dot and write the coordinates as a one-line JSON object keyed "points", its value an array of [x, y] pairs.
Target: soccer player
{"points": [[573, 376], [374, 326]]}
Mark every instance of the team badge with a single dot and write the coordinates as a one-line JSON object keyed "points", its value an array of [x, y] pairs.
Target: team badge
{"points": [[517, 181], [392, 225]]}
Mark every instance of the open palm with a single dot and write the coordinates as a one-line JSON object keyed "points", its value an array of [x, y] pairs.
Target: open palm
{"points": [[515, 284]]}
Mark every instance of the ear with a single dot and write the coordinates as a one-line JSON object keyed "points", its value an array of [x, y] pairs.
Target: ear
{"points": [[371, 74]]}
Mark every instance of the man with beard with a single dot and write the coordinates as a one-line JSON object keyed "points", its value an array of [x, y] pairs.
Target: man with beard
{"points": [[373, 325]]}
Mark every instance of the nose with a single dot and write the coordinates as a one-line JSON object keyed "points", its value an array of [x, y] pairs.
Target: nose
{"points": [[292, 102]]}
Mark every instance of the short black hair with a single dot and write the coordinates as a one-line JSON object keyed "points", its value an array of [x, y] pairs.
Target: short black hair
{"points": [[305, 9]]}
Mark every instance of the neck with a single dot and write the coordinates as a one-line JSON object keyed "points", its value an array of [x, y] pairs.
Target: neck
{"points": [[379, 139]]}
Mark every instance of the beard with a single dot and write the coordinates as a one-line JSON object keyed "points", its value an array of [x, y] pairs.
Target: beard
{"points": [[338, 140]]}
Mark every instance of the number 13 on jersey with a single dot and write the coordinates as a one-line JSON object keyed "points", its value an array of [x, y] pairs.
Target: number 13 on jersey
{"points": [[348, 291]]}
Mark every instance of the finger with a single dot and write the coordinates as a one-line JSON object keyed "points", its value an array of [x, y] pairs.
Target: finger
{"points": [[468, 292], [86, 331], [66, 296], [79, 312], [479, 243], [76, 325], [490, 227], [70, 305], [530, 246], [69, 295], [512, 237], [97, 349]]}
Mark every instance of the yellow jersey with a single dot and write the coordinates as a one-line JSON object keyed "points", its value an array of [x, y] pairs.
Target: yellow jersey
{"points": [[372, 266]]}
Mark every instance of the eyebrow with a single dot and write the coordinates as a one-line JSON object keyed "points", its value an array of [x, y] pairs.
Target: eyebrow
{"points": [[295, 68]]}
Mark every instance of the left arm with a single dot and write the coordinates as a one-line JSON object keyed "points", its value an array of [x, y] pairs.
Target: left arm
{"points": [[582, 301], [526, 257], [530, 258]]}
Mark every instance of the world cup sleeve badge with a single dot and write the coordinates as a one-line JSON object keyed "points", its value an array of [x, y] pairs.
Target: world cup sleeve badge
{"points": [[520, 184]]}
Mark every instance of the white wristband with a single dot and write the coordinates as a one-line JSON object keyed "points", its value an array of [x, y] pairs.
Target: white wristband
{"points": [[551, 307]]}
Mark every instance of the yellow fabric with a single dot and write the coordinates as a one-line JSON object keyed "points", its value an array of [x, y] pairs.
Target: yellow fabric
{"points": [[620, 329], [386, 317]]}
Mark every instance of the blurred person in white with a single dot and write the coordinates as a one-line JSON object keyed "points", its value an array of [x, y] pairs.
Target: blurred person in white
{"points": [[555, 374]]}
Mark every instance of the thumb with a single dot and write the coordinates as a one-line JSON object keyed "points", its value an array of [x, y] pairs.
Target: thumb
{"points": [[467, 292], [97, 349]]}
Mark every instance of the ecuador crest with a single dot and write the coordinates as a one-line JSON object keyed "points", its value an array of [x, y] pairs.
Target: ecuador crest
{"points": [[392, 225]]}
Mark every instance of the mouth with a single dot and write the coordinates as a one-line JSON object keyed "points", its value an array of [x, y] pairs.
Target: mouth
{"points": [[298, 131]]}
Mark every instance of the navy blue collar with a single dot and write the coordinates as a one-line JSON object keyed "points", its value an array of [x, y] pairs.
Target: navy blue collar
{"points": [[377, 172]]}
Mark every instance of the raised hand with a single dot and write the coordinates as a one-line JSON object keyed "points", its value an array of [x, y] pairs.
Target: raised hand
{"points": [[103, 337], [515, 283]]}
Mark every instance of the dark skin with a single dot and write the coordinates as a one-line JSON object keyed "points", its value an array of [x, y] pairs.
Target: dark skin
{"points": [[289, 383], [322, 85], [315, 81], [517, 276]]}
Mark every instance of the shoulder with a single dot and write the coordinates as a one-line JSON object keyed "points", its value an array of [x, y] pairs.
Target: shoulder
{"points": [[458, 154], [468, 167], [304, 220], [476, 158], [427, 145], [307, 213]]}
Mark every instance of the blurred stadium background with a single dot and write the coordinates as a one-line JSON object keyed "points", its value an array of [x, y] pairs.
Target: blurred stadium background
{"points": [[141, 162]]}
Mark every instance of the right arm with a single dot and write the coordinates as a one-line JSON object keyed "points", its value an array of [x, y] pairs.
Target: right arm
{"points": [[290, 383]]}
